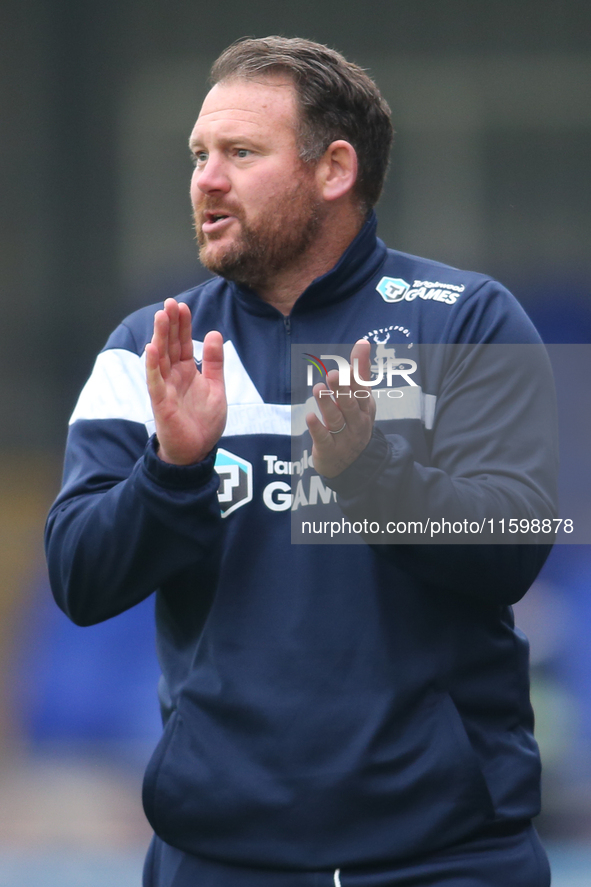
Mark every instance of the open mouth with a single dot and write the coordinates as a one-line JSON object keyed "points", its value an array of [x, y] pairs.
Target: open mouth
{"points": [[215, 221]]}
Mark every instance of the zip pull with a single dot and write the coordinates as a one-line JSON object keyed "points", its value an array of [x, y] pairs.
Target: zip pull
{"points": [[287, 324], [337, 878]]}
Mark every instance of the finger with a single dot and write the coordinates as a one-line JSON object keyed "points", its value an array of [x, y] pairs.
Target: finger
{"points": [[160, 339], [318, 432], [185, 332], [152, 357], [213, 356], [357, 407], [350, 400], [156, 384], [361, 352], [171, 306], [349, 404], [330, 411], [361, 360]]}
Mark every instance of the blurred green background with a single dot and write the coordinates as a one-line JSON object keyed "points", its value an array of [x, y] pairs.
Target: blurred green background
{"points": [[490, 171]]}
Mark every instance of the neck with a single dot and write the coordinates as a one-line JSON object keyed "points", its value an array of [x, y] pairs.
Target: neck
{"points": [[287, 285]]}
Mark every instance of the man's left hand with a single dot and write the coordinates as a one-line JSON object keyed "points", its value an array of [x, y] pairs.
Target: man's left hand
{"points": [[348, 418]]}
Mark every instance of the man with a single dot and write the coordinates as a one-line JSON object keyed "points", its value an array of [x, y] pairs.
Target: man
{"points": [[353, 715]]}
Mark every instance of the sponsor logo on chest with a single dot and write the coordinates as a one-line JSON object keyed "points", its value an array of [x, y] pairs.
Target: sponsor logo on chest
{"points": [[395, 289], [236, 483]]}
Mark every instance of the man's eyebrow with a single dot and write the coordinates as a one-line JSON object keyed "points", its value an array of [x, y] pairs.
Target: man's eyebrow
{"points": [[224, 141]]}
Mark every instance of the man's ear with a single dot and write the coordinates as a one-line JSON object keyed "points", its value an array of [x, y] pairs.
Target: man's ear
{"points": [[336, 171]]}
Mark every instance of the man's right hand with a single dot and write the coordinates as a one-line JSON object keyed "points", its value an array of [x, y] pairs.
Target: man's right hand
{"points": [[189, 406]]}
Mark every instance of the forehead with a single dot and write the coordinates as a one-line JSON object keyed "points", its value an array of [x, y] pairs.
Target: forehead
{"points": [[248, 107]]}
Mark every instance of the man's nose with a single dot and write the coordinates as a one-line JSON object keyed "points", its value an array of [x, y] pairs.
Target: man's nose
{"points": [[212, 176]]}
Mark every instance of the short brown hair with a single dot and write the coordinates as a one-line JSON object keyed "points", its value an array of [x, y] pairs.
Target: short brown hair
{"points": [[338, 100]]}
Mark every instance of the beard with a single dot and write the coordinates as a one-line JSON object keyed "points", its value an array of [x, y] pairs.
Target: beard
{"points": [[267, 244]]}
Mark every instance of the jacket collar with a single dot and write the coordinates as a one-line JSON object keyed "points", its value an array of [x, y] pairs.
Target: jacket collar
{"points": [[359, 262]]}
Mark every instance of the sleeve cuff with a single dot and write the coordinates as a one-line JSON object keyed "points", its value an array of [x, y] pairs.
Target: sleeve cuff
{"points": [[177, 476], [369, 464]]}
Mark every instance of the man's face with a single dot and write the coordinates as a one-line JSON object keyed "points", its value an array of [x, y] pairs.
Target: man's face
{"points": [[256, 206]]}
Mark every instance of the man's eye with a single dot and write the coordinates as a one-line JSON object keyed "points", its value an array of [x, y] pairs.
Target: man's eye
{"points": [[242, 152], [199, 158]]}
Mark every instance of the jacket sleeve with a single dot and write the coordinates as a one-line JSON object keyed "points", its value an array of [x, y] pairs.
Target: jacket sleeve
{"points": [[124, 522], [492, 457]]}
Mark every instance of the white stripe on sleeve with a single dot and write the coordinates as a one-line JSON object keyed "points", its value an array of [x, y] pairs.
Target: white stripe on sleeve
{"points": [[116, 389]]}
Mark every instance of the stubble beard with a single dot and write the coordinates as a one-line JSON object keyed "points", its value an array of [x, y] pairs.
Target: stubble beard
{"points": [[267, 245]]}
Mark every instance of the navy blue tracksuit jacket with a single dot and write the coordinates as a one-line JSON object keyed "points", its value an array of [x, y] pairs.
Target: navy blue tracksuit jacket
{"points": [[325, 705]]}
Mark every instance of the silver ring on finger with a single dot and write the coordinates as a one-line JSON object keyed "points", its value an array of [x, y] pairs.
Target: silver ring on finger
{"points": [[340, 429]]}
